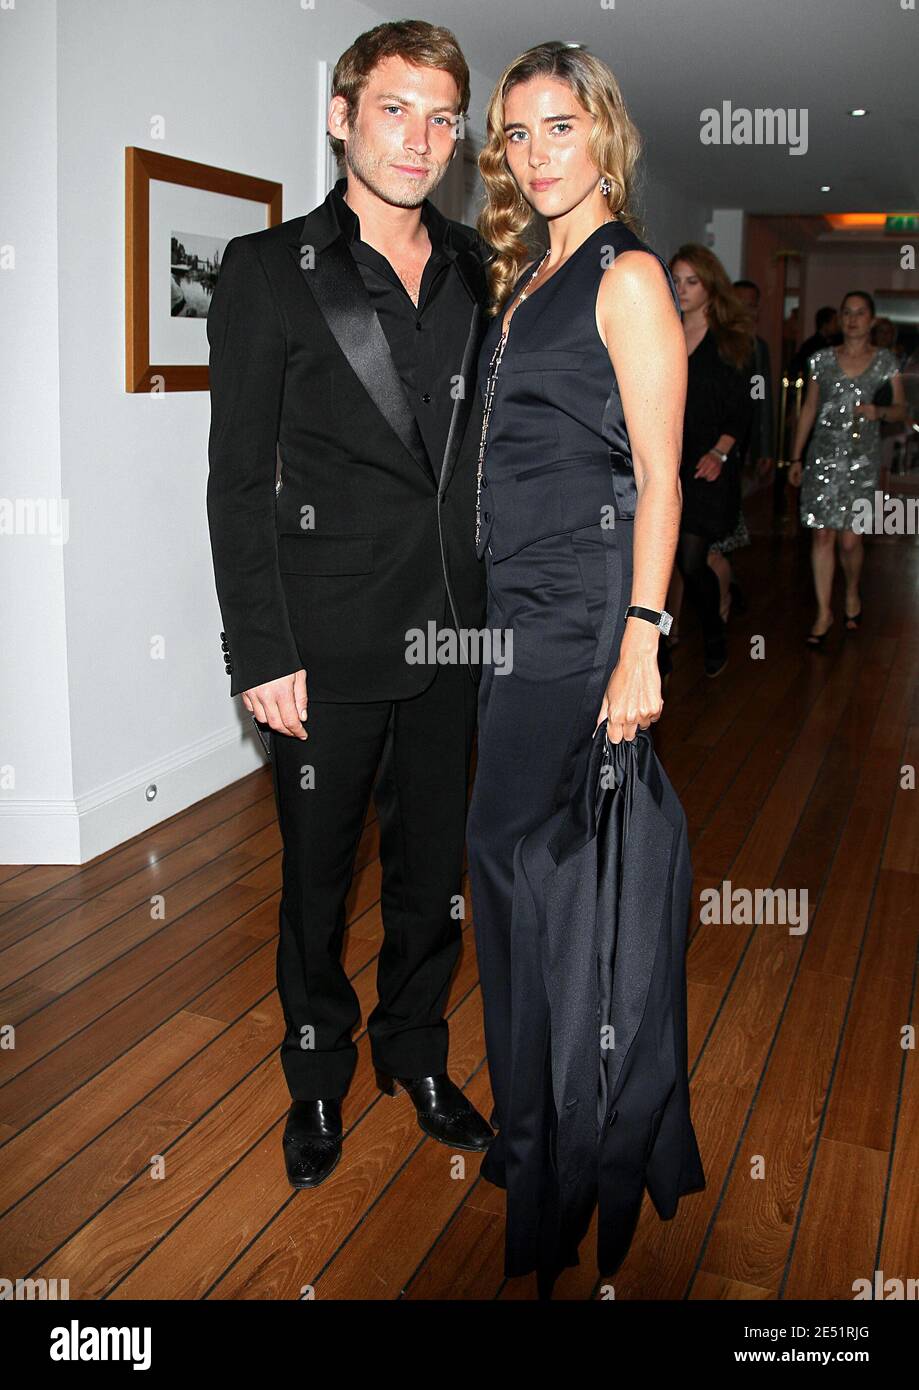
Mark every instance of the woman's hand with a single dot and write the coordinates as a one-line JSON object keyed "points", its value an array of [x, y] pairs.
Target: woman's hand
{"points": [[794, 473], [709, 467], [866, 412], [633, 696]]}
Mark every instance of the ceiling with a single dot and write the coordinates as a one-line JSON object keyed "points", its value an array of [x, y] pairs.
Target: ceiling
{"points": [[674, 58]]}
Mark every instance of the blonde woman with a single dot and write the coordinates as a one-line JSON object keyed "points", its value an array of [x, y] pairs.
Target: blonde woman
{"points": [[583, 375]]}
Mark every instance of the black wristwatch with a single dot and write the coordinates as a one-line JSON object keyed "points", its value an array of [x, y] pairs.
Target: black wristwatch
{"points": [[661, 620]]}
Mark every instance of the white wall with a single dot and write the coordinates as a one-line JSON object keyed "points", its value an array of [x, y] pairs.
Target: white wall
{"points": [[671, 218], [36, 789], [90, 719], [727, 239]]}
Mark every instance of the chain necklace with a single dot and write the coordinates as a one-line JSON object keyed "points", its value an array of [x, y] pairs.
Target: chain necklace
{"points": [[489, 397]]}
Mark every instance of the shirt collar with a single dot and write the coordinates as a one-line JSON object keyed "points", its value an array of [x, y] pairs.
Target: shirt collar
{"points": [[438, 227]]}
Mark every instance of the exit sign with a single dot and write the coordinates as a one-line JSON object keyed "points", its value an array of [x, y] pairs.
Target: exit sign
{"points": [[902, 222]]}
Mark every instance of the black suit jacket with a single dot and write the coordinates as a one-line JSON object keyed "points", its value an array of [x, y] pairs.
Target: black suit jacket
{"points": [[601, 900], [367, 536]]}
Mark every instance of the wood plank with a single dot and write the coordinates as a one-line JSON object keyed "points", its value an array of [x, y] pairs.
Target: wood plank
{"points": [[138, 1037]]}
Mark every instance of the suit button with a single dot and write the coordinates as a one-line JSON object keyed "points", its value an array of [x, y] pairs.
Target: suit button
{"points": [[223, 636], [484, 481], [486, 516]]}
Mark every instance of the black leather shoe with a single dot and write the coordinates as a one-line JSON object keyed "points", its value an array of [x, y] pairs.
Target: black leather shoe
{"points": [[443, 1111], [312, 1141]]}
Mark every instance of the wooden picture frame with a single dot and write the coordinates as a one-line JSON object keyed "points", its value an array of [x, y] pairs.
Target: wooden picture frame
{"points": [[142, 166]]}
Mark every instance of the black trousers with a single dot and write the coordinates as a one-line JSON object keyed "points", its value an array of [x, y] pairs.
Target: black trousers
{"points": [[564, 599], [422, 747]]}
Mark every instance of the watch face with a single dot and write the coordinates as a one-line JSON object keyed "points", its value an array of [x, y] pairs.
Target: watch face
{"points": [[666, 620]]}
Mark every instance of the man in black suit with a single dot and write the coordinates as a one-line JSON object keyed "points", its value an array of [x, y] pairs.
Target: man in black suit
{"points": [[827, 333], [346, 342]]}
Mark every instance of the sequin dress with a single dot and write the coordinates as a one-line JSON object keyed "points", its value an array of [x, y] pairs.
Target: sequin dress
{"points": [[843, 459]]}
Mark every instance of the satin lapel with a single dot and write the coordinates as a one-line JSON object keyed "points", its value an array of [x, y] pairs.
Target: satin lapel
{"points": [[336, 285], [472, 275], [569, 963], [644, 895], [463, 403]]}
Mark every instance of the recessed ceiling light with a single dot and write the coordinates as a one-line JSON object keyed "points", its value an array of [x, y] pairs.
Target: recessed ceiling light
{"points": [[825, 187], [859, 111]]}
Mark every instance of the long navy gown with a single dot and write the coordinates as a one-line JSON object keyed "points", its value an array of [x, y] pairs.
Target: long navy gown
{"points": [[557, 507]]}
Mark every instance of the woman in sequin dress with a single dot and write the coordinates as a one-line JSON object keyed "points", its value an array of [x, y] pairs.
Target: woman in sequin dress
{"points": [[841, 471]]}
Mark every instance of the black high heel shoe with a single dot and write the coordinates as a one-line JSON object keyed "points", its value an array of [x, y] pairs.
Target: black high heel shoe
{"points": [[815, 640]]}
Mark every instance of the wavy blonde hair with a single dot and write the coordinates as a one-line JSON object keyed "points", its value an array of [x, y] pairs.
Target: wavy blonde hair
{"points": [[729, 318], [613, 144]]}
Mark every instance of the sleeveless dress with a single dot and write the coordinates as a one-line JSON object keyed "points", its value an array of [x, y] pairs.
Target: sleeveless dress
{"points": [[557, 507], [843, 459]]}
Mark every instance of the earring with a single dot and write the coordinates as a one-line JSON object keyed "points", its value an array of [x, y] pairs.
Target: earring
{"points": [[605, 186]]}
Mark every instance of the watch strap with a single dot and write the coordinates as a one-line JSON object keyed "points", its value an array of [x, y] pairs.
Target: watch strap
{"points": [[660, 620]]}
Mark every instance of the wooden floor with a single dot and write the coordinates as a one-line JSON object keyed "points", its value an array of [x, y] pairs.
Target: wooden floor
{"points": [[142, 1108]]}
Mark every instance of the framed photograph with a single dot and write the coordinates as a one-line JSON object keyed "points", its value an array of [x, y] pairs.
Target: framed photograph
{"points": [[179, 216]]}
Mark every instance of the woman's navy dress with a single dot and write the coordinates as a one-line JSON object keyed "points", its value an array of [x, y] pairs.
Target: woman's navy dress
{"points": [[557, 512]]}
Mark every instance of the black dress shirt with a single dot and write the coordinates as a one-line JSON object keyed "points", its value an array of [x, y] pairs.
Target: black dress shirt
{"points": [[426, 342]]}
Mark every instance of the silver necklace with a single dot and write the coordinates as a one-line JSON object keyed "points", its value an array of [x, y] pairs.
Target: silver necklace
{"points": [[489, 397]]}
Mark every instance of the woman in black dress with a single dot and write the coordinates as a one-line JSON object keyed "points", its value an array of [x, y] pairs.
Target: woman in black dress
{"points": [[719, 411], [583, 372]]}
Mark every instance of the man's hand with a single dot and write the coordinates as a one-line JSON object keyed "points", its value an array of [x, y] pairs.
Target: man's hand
{"points": [[281, 703]]}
